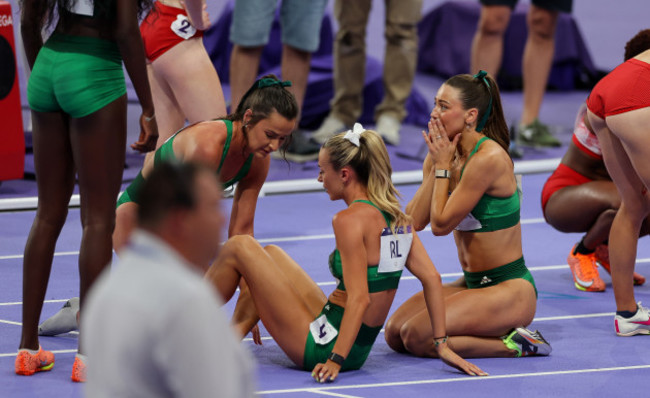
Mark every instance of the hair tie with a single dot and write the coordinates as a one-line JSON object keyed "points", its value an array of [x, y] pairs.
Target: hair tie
{"points": [[354, 134], [263, 83], [482, 75]]}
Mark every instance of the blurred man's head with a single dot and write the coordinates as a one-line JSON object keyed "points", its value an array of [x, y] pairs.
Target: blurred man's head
{"points": [[180, 203]]}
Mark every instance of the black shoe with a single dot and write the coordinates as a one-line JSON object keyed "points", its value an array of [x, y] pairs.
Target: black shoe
{"points": [[300, 149]]}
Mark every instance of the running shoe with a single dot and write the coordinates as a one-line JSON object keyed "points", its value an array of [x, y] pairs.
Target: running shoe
{"points": [[602, 257], [301, 149], [79, 369], [585, 272], [63, 321], [527, 343], [637, 324], [331, 126], [537, 134], [388, 128], [27, 363]]}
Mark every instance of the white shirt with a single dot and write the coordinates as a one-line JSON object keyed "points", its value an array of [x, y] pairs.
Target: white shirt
{"points": [[153, 327]]}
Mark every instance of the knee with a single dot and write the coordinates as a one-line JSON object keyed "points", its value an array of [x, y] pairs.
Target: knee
{"points": [[494, 23], [272, 249], [53, 219], [542, 23], [97, 224], [239, 245], [414, 340], [607, 216], [241, 242], [402, 35], [392, 335], [351, 37]]}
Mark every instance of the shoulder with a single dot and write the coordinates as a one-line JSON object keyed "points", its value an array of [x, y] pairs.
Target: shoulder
{"points": [[348, 219], [490, 158], [202, 141]]}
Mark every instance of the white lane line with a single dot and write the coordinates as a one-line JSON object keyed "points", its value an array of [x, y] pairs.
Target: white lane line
{"points": [[331, 394], [46, 301], [269, 240], [540, 319], [13, 354], [18, 256], [403, 278], [460, 379]]}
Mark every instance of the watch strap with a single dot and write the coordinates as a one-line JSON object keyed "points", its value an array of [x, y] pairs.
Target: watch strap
{"points": [[441, 173], [336, 358]]}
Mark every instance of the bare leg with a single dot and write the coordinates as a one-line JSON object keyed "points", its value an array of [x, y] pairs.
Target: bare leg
{"points": [[487, 44], [246, 316], [98, 143], [537, 60], [622, 140], [55, 171], [125, 223], [244, 66], [273, 293], [199, 97], [508, 305], [588, 207], [295, 67]]}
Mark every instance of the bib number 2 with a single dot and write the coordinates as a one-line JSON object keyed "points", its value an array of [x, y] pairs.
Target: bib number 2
{"points": [[182, 27]]}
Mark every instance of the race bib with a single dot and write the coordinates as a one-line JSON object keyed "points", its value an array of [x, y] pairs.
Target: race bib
{"points": [[469, 223], [322, 331], [395, 249], [83, 7], [182, 27]]}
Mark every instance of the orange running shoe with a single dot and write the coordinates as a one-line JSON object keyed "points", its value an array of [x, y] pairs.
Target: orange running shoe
{"points": [[602, 257], [585, 272], [79, 369], [27, 363]]}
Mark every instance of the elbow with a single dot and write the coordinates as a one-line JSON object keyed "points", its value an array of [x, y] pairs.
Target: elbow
{"points": [[440, 230], [431, 280], [419, 225]]}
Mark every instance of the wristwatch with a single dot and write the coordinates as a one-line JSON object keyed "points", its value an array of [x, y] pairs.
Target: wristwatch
{"points": [[336, 358], [440, 173]]}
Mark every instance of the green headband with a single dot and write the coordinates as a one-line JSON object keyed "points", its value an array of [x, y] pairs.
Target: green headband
{"points": [[482, 75], [263, 83]]}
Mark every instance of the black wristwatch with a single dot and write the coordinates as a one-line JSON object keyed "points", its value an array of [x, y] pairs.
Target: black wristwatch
{"points": [[336, 358]]}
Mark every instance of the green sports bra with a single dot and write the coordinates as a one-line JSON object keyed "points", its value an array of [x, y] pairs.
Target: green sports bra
{"points": [[491, 213], [378, 279], [166, 153]]}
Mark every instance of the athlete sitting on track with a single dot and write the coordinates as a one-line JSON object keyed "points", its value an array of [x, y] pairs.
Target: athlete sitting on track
{"points": [[374, 242], [469, 188]]}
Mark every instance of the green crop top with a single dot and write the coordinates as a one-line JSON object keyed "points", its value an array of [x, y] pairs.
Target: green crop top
{"points": [[379, 278], [166, 153], [491, 213]]}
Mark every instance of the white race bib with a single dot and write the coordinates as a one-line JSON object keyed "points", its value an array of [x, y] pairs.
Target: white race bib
{"points": [[469, 223], [395, 249], [83, 7], [182, 27], [322, 331]]}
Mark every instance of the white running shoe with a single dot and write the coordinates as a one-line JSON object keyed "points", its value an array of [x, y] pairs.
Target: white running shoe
{"points": [[331, 126], [63, 321], [388, 127], [637, 324]]}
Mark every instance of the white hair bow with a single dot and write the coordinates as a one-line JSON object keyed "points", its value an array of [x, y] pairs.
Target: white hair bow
{"points": [[354, 134]]}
